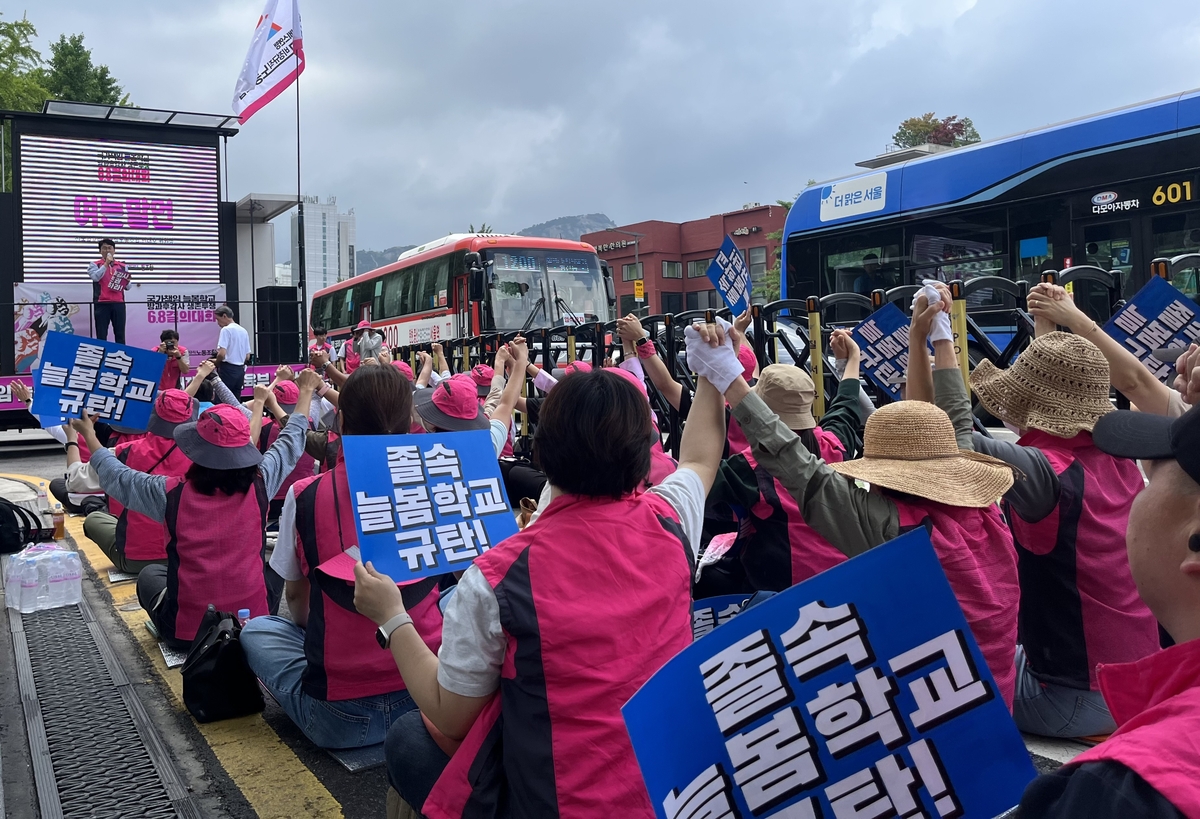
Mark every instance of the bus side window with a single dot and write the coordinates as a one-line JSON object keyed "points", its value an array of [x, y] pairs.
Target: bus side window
{"points": [[393, 284]]}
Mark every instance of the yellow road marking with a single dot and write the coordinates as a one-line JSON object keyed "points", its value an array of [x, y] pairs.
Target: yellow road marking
{"points": [[269, 774]]}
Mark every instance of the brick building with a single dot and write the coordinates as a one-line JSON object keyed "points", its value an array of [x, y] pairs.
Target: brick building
{"points": [[673, 257]]}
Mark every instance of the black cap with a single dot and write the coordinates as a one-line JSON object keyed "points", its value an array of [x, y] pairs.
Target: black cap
{"points": [[1140, 435]]}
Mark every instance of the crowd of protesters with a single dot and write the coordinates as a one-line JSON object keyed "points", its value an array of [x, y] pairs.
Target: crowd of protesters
{"points": [[498, 689]]}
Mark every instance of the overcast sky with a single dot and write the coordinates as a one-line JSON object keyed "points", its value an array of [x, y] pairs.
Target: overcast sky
{"points": [[425, 117]]}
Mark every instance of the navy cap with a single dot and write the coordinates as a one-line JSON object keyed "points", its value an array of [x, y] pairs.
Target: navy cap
{"points": [[1140, 435]]}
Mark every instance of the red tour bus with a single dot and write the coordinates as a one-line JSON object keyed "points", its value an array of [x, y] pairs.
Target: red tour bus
{"points": [[466, 284]]}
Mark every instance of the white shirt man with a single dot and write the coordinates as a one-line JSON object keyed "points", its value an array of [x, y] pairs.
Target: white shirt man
{"points": [[233, 350]]}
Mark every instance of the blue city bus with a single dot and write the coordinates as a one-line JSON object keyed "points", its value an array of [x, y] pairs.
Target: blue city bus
{"points": [[1114, 191]]}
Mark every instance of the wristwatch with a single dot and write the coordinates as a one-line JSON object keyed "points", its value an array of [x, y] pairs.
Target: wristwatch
{"points": [[383, 634], [643, 340]]}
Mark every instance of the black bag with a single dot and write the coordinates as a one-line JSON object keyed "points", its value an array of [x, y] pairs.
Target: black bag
{"points": [[217, 682], [20, 526]]}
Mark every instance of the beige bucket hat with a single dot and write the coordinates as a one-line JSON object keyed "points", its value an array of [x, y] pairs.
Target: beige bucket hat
{"points": [[1058, 385], [790, 393], [909, 446]]}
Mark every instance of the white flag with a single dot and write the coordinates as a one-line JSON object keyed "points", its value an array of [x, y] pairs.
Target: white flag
{"points": [[275, 59]]}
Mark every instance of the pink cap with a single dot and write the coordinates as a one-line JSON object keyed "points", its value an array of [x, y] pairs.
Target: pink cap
{"points": [[404, 369], [482, 375], [631, 378], [342, 566], [173, 406], [745, 355], [224, 426], [363, 325], [455, 396], [287, 393], [577, 367]]}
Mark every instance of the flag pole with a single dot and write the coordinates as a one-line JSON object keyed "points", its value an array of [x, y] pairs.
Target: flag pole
{"points": [[301, 277]]}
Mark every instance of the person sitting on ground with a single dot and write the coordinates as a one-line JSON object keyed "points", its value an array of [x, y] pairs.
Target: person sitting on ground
{"points": [[534, 597], [776, 547], [78, 490], [1079, 605], [919, 477], [286, 394], [215, 515], [453, 406], [177, 360], [131, 540], [1148, 767], [324, 666], [1053, 306]]}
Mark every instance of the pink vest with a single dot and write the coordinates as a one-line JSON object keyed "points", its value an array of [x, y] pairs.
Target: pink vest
{"points": [[781, 549], [304, 467], [352, 357], [1155, 702], [976, 551], [590, 612], [344, 660], [662, 465], [1079, 604], [735, 439], [139, 537], [214, 553], [112, 288]]}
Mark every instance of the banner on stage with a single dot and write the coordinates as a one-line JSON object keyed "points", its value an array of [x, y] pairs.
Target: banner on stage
{"points": [[426, 505], [149, 309], [859, 692], [1158, 316], [113, 381], [883, 339], [730, 275]]}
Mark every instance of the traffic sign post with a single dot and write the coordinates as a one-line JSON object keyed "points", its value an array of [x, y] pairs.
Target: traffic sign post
{"points": [[639, 294]]}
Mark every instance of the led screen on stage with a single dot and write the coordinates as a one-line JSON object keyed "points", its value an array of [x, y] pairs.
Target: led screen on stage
{"points": [[157, 202]]}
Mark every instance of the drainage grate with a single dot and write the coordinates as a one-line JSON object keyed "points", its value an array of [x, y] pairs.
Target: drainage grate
{"points": [[105, 758]]}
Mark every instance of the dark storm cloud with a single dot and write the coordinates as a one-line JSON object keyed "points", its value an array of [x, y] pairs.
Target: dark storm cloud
{"points": [[425, 117]]}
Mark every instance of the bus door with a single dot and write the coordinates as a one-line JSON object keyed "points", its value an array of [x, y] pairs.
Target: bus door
{"points": [[462, 307], [1110, 246]]}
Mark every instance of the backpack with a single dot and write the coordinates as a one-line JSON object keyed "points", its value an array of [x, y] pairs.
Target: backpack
{"points": [[20, 526], [217, 682]]}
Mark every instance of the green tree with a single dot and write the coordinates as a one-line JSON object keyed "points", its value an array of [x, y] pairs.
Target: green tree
{"points": [[484, 227], [20, 88], [71, 74], [927, 128]]}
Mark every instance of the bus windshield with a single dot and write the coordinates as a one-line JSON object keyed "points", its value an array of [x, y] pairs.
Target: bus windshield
{"points": [[569, 282]]}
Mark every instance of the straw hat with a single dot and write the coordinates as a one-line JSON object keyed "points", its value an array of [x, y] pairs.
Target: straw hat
{"points": [[910, 447], [1058, 385]]}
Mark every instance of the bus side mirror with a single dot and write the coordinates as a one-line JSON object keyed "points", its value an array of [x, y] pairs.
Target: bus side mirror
{"points": [[610, 291], [476, 278]]}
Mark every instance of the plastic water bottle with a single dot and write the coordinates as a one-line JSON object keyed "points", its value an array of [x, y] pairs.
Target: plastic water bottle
{"points": [[12, 582], [243, 616], [58, 579], [29, 586], [60, 522], [43, 502], [74, 579]]}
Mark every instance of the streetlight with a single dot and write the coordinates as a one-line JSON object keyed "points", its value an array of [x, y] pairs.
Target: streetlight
{"points": [[637, 238]]}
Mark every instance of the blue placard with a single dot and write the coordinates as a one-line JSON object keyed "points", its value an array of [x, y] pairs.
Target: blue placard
{"points": [[730, 275], [426, 505], [1158, 316], [883, 339], [861, 686], [711, 612], [112, 381]]}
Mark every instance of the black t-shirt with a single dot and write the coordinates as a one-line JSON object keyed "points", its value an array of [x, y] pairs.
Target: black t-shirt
{"points": [[1095, 790], [533, 406]]}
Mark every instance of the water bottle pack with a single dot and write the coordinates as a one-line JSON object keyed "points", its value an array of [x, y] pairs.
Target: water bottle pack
{"points": [[42, 576]]}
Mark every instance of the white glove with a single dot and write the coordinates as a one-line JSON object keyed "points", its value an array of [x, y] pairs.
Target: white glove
{"points": [[719, 365], [940, 331]]}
